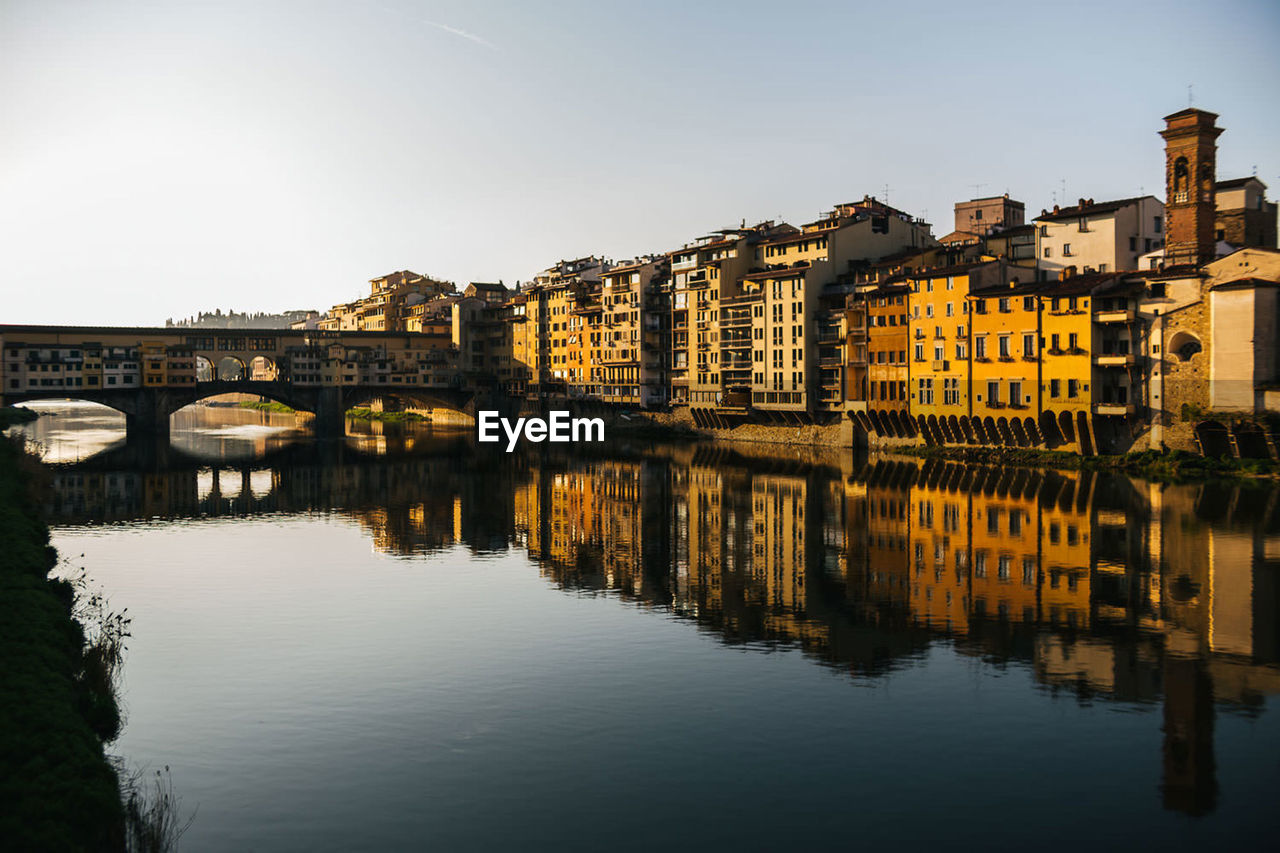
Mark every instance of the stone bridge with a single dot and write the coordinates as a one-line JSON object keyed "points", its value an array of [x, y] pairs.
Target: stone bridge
{"points": [[148, 374]]}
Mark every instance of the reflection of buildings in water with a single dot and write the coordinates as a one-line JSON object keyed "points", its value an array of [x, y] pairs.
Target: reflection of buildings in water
{"points": [[1133, 592]]}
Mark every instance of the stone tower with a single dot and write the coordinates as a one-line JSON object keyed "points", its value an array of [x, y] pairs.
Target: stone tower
{"points": [[1190, 146]]}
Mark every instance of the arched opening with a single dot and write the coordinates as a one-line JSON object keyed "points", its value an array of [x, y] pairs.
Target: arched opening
{"points": [[1184, 346], [1052, 432], [877, 422], [993, 435], [1067, 426], [205, 371], [1019, 434], [922, 424], [231, 369], [979, 431], [1082, 429], [71, 430], [263, 369], [1033, 433], [1181, 180], [1006, 434], [1213, 439], [1251, 441]]}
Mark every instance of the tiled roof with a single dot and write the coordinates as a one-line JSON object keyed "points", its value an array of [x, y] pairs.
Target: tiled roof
{"points": [[1095, 209], [1232, 183]]}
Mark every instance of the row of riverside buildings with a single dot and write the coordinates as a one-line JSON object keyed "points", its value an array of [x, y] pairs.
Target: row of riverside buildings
{"points": [[1099, 326]]}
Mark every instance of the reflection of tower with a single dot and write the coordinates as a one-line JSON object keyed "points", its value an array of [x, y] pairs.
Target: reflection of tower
{"points": [[1190, 783]]}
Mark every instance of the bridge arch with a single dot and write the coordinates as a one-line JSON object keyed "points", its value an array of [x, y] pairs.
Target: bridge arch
{"points": [[231, 368]]}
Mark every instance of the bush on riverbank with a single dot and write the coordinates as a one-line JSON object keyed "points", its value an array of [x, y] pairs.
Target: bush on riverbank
{"points": [[364, 414], [1170, 466], [267, 406], [11, 415], [58, 789]]}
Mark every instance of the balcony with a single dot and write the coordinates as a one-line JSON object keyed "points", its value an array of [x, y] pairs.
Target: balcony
{"points": [[1114, 359], [942, 364], [1114, 316], [1121, 409]]}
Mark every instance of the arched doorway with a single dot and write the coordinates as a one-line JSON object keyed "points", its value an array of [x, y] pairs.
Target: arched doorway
{"points": [[231, 369]]}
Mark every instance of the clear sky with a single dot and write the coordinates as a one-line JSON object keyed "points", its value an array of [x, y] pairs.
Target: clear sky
{"points": [[160, 158]]}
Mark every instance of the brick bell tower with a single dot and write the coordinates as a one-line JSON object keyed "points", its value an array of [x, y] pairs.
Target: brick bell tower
{"points": [[1190, 154]]}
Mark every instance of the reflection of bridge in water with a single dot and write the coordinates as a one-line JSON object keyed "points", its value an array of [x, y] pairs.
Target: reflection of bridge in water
{"points": [[1103, 587]]}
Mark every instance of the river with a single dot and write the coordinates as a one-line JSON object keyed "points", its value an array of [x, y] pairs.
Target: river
{"points": [[407, 640]]}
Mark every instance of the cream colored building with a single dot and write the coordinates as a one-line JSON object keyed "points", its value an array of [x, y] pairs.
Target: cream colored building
{"points": [[1102, 237]]}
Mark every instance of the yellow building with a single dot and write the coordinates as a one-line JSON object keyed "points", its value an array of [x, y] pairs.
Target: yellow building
{"points": [[1005, 372], [940, 390]]}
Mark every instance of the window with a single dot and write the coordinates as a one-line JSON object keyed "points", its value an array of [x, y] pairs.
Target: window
{"points": [[1073, 341], [1048, 252], [950, 309], [951, 392], [919, 352], [1133, 244], [1028, 303], [1029, 346], [1015, 393], [993, 393], [1004, 346], [960, 352], [1073, 386], [1053, 344], [926, 392], [1004, 305], [1055, 387], [1158, 224], [1066, 250], [980, 347]]}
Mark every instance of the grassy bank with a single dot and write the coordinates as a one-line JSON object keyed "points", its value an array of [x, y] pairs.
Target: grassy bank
{"points": [[363, 414], [10, 415], [1172, 466], [267, 406], [56, 707]]}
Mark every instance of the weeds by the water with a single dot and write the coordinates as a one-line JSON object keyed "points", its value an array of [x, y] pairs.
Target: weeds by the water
{"points": [[105, 634], [364, 414], [154, 822], [1166, 466]]}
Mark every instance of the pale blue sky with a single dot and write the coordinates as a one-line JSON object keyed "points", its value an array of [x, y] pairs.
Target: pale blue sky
{"points": [[158, 158]]}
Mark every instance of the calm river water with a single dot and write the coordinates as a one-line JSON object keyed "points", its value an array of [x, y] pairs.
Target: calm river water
{"points": [[407, 640]]}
